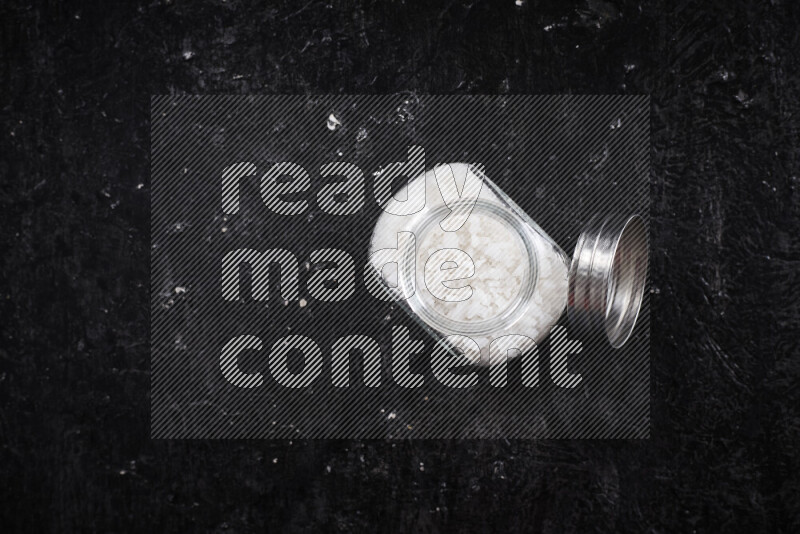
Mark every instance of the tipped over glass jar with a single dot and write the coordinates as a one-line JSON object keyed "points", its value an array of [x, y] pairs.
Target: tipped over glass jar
{"points": [[473, 268]]}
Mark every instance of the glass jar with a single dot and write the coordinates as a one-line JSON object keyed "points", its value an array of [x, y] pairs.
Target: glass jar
{"points": [[472, 267]]}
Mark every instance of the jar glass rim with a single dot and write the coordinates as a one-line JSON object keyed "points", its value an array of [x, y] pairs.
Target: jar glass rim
{"points": [[517, 306]]}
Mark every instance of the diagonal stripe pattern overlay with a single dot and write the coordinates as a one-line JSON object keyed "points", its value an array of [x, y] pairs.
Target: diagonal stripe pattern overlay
{"points": [[264, 323]]}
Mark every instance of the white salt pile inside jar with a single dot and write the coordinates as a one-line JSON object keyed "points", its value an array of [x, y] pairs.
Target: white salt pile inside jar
{"points": [[501, 267], [490, 278]]}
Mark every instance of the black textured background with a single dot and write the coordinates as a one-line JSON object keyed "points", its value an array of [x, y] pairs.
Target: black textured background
{"points": [[75, 453]]}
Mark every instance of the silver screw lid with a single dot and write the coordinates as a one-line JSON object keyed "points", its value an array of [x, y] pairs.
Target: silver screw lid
{"points": [[607, 277]]}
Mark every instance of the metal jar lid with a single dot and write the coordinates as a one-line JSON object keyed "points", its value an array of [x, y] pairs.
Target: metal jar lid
{"points": [[607, 277]]}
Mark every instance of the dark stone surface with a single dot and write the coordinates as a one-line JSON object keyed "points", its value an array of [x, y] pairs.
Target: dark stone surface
{"points": [[75, 453]]}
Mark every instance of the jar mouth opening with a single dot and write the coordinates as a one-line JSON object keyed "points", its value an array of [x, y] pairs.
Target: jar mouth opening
{"points": [[420, 302]]}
